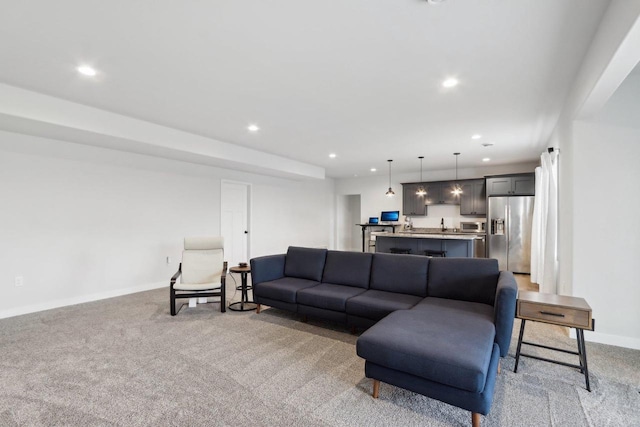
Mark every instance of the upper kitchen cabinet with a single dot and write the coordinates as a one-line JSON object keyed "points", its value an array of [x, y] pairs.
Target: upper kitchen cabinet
{"points": [[473, 198], [439, 193], [511, 185], [412, 204]]}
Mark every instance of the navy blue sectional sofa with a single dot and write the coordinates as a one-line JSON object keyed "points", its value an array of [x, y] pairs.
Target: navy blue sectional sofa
{"points": [[436, 326]]}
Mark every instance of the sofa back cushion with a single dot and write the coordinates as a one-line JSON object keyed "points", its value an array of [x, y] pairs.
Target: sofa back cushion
{"points": [[405, 274], [464, 279], [348, 268], [305, 263]]}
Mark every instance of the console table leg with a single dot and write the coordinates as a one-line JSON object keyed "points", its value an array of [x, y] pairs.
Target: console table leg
{"points": [[522, 323], [582, 349]]}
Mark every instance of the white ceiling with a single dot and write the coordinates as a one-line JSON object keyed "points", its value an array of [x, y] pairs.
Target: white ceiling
{"points": [[360, 78]]}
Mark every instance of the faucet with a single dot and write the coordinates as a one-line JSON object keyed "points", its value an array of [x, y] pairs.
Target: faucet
{"points": [[442, 227]]}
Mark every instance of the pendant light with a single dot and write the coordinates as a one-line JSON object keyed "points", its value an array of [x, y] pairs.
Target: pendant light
{"points": [[390, 192], [457, 190], [421, 191]]}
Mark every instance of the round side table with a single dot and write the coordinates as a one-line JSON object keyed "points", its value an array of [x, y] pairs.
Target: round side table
{"points": [[244, 304]]}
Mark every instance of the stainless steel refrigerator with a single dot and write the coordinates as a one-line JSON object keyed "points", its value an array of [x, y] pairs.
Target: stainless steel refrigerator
{"points": [[509, 234]]}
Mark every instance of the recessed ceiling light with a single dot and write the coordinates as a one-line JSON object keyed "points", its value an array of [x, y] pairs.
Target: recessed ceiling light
{"points": [[476, 136], [435, 1], [450, 82], [486, 159], [332, 155], [85, 70], [253, 128], [373, 169]]}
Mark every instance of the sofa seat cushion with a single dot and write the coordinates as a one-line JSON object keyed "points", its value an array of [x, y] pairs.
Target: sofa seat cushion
{"points": [[375, 305], [328, 296], [284, 289], [483, 310], [441, 344]]}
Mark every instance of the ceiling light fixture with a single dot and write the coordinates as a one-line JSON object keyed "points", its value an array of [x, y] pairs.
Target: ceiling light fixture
{"points": [[390, 192], [421, 191], [332, 155], [451, 82], [373, 169], [253, 128], [486, 159], [476, 136], [86, 70], [457, 190]]}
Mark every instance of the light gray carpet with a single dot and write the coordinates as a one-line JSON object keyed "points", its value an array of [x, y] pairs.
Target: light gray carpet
{"points": [[126, 361]]}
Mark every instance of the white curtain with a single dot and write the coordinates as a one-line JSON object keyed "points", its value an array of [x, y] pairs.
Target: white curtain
{"points": [[544, 233]]}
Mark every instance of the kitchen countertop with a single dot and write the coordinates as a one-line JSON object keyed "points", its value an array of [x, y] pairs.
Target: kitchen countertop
{"points": [[431, 235]]}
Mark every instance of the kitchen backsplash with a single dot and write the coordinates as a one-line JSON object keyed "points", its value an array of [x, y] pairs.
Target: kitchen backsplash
{"points": [[451, 215]]}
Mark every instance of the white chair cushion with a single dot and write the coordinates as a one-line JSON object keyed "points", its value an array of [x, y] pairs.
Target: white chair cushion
{"points": [[197, 286], [202, 266], [203, 243]]}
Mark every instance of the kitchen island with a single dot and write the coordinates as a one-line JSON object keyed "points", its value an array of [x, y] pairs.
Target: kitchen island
{"points": [[455, 244]]}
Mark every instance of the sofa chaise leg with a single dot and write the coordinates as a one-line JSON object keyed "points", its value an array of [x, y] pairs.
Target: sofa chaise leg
{"points": [[376, 388], [475, 419], [258, 308]]}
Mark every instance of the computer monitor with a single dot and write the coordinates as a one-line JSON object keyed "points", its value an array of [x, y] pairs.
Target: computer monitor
{"points": [[390, 216], [373, 220]]}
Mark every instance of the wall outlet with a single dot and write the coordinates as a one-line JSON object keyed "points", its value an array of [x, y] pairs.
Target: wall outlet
{"points": [[19, 280]]}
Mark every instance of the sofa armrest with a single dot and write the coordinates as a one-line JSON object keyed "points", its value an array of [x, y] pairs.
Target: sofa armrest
{"points": [[267, 268], [505, 310]]}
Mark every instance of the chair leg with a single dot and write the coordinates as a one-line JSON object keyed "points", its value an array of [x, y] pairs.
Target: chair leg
{"points": [[475, 419], [258, 308], [223, 299], [376, 388], [172, 301]]}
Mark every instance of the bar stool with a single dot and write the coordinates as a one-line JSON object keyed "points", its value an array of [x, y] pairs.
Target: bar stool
{"points": [[430, 252], [400, 250]]}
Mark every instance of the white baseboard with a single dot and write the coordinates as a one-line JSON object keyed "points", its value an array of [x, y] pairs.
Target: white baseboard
{"points": [[18, 311], [617, 340]]}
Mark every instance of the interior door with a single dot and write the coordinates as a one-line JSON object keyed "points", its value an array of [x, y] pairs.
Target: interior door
{"points": [[234, 221]]}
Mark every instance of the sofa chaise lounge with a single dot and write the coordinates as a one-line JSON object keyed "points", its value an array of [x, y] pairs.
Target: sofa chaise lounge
{"points": [[436, 326]]}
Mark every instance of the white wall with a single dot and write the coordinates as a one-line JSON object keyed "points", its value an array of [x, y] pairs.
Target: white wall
{"points": [[372, 191], [606, 242], [586, 267], [82, 223]]}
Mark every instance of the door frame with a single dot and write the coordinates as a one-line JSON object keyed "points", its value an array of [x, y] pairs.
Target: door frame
{"points": [[249, 210]]}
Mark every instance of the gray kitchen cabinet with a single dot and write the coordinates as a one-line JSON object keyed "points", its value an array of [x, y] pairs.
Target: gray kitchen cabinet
{"points": [[412, 204], [439, 193], [473, 199], [511, 185]]}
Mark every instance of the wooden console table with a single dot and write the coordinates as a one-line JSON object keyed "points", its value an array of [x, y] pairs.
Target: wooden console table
{"points": [[560, 310]]}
